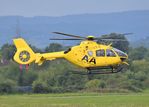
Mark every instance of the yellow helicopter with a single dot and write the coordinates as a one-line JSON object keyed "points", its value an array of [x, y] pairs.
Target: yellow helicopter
{"points": [[89, 55]]}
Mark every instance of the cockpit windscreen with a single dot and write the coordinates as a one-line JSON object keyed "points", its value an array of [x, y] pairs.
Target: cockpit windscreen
{"points": [[120, 53]]}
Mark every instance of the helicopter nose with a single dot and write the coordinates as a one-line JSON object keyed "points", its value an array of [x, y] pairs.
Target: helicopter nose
{"points": [[123, 59]]}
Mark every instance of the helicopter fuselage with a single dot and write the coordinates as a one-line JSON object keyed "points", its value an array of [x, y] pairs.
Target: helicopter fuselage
{"points": [[88, 54]]}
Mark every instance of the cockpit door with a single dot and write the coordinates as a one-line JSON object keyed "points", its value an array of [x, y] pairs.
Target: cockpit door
{"points": [[100, 57], [111, 57]]}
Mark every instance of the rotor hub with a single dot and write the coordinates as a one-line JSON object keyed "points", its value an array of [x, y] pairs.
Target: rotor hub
{"points": [[90, 37], [24, 56]]}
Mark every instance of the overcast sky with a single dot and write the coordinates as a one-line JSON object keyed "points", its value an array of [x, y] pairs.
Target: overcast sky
{"points": [[31, 8]]}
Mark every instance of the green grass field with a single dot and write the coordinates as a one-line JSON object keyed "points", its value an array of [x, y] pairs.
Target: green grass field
{"points": [[75, 100]]}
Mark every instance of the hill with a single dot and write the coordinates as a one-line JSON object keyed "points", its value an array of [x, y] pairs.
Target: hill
{"points": [[37, 29]]}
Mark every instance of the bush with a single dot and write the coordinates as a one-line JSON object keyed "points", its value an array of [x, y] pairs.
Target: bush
{"points": [[40, 87], [131, 85], [134, 89], [57, 90], [93, 84], [7, 86], [102, 84]]}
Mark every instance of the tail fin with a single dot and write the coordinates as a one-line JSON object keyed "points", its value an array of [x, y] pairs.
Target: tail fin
{"points": [[24, 54]]}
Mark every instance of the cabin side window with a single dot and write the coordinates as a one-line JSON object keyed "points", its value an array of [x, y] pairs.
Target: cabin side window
{"points": [[68, 50], [110, 53], [100, 53], [90, 53]]}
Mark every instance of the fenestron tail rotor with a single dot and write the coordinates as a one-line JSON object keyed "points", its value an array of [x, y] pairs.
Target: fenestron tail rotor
{"points": [[24, 56]]}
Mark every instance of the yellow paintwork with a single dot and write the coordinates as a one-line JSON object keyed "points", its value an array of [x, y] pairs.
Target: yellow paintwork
{"points": [[24, 56], [75, 55], [21, 45]]}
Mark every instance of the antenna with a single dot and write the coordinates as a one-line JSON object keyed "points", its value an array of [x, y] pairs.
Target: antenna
{"points": [[18, 30]]}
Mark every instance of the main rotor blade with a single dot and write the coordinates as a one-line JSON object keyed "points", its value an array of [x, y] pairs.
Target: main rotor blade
{"points": [[113, 39], [70, 35], [64, 39], [127, 34]]}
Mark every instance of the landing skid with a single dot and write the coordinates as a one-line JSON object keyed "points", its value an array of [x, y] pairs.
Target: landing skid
{"points": [[93, 71]]}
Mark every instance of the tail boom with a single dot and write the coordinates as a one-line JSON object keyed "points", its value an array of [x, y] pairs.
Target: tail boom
{"points": [[25, 55]]}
